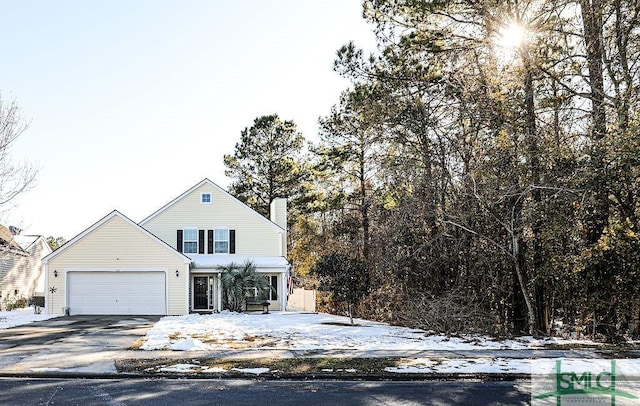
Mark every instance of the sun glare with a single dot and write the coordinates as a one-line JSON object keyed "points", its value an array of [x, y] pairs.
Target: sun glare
{"points": [[511, 36]]}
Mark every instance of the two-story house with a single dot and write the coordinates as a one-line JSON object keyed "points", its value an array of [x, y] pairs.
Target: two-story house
{"points": [[169, 263]]}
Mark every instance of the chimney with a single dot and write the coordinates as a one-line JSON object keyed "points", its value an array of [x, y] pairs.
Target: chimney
{"points": [[278, 210]]}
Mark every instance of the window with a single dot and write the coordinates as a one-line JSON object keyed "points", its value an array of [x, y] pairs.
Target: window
{"points": [[205, 198], [272, 292], [190, 241], [221, 243]]}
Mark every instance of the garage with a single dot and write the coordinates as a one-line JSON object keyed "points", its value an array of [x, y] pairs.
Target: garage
{"points": [[117, 292]]}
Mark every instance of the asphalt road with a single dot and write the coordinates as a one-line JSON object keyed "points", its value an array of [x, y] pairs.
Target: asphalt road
{"points": [[112, 392]]}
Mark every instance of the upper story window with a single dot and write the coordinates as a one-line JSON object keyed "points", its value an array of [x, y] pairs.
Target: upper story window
{"points": [[190, 241], [221, 238], [205, 198]]}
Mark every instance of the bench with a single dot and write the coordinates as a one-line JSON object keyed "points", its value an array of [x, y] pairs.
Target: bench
{"points": [[255, 302]]}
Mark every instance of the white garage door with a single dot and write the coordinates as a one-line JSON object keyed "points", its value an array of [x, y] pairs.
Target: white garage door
{"points": [[117, 293]]}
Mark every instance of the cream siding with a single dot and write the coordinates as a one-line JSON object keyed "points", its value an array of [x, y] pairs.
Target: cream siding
{"points": [[255, 235], [279, 216], [23, 274], [118, 245]]}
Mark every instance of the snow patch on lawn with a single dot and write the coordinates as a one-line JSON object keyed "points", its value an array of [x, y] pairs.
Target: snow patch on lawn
{"points": [[45, 369], [296, 331], [253, 371], [499, 365], [180, 368], [213, 370], [189, 344], [19, 317], [463, 366]]}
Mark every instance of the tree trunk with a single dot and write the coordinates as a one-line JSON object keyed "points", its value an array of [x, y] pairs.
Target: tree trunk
{"points": [[536, 226], [364, 209], [592, 21], [521, 280]]}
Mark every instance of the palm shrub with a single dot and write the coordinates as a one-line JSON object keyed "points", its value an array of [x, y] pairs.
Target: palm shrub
{"points": [[238, 283]]}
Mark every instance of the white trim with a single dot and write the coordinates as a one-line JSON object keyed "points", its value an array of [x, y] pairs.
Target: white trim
{"points": [[216, 187], [219, 293], [69, 271], [283, 292], [202, 194], [228, 241], [99, 223], [211, 297], [197, 240], [186, 293], [166, 292], [208, 261], [117, 270], [46, 289]]}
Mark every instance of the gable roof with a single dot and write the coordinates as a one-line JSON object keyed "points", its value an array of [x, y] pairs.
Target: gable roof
{"points": [[27, 241], [218, 188], [99, 223]]}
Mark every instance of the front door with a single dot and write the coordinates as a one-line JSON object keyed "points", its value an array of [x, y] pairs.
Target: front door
{"points": [[203, 298]]}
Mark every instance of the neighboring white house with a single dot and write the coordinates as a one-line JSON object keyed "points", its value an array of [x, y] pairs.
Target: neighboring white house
{"points": [[22, 272], [169, 262]]}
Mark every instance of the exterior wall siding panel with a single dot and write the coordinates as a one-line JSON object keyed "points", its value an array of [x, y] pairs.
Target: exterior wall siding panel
{"points": [[117, 245], [23, 274], [255, 236]]}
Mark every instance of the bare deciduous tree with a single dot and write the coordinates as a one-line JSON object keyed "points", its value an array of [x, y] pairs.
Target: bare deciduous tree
{"points": [[15, 178]]}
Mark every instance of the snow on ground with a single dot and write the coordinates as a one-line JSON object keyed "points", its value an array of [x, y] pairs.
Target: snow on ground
{"points": [[179, 368], [253, 371], [18, 317], [488, 365], [463, 366], [297, 331]]}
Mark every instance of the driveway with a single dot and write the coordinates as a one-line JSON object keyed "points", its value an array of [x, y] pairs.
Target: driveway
{"points": [[87, 344]]}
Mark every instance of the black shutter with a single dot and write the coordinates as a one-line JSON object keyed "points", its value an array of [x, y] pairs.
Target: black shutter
{"points": [[200, 241], [232, 241], [274, 288], [210, 241], [179, 241]]}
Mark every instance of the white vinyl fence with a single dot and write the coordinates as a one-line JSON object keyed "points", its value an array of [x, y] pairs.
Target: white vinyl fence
{"points": [[302, 300]]}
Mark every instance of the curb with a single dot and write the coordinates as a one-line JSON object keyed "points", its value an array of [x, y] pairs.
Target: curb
{"points": [[483, 377]]}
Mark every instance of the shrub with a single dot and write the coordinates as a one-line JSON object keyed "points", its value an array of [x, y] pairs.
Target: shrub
{"points": [[15, 303], [451, 312]]}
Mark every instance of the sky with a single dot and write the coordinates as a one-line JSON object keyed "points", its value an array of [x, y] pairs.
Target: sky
{"points": [[130, 103]]}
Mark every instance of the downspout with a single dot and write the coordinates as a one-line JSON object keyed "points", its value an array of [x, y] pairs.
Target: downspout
{"points": [[284, 292], [46, 287], [187, 301], [219, 298]]}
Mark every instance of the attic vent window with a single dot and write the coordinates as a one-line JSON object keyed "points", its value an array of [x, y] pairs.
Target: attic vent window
{"points": [[205, 198]]}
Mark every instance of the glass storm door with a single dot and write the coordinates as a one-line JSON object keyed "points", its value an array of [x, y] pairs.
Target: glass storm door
{"points": [[201, 293]]}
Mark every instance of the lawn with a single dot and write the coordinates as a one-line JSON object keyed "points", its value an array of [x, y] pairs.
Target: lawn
{"points": [[328, 344], [295, 331]]}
